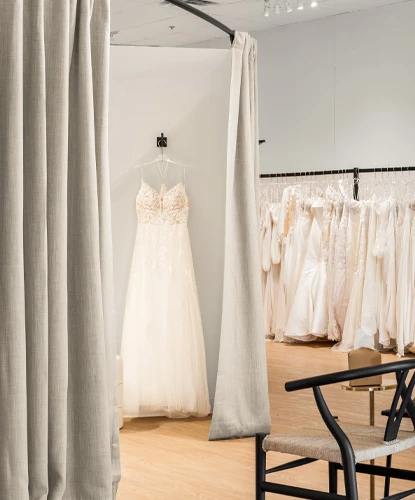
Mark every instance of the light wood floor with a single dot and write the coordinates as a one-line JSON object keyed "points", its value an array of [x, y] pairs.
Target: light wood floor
{"points": [[172, 459]]}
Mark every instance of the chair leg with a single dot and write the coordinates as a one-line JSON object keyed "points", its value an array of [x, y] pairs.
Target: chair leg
{"points": [[332, 478], [388, 479], [350, 480], [260, 466]]}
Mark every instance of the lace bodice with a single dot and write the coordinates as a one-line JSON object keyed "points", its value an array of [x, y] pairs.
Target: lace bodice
{"points": [[170, 206]]}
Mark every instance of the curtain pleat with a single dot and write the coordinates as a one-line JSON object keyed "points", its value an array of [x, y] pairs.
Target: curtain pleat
{"points": [[241, 406], [58, 406]]}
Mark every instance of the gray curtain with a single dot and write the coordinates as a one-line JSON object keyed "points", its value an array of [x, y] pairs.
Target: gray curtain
{"points": [[241, 405], [58, 408]]}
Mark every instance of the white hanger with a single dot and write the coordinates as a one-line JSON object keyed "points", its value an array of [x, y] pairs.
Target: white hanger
{"points": [[160, 158]]}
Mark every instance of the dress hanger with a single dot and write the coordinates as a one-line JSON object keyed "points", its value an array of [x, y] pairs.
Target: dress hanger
{"points": [[161, 143], [160, 158]]}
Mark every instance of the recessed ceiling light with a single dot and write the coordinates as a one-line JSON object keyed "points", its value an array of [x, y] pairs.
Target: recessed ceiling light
{"points": [[314, 3]]}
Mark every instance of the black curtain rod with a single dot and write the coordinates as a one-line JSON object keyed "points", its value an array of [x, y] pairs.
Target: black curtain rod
{"points": [[307, 173], [354, 171], [202, 15]]}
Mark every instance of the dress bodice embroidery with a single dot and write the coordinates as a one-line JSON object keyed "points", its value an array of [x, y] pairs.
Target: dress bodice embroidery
{"points": [[170, 206]]}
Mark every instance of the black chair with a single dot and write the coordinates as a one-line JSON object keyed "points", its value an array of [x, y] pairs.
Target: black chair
{"points": [[344, 446], [386, 413]]}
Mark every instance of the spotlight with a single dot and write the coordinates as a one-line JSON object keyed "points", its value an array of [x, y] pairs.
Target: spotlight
{"points": [[300, 5], [314, 3], [277, 8], [288, 7]]}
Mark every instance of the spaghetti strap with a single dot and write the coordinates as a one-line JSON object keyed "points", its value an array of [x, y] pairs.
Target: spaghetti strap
{"points": [[160, 171]]}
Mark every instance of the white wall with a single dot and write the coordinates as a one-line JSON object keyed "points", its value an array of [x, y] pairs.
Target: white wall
{"points": [[338, 92], [183, 93]]}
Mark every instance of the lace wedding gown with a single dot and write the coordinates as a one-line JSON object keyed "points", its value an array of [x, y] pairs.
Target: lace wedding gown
{"points": [[163, 347]]}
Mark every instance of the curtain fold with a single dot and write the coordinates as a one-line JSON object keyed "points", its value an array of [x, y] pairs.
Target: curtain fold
{"points": [[58, 403], [241, 405]]}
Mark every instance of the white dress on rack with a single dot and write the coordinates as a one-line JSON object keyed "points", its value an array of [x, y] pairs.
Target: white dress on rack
{"points": [[352, 321], [303, 315], [163, 346], [333, 329], [405, 285]]}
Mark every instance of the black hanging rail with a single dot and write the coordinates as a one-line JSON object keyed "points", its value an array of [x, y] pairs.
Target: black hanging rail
{"points": [[202, 15], [355, 171], [339, 172]]}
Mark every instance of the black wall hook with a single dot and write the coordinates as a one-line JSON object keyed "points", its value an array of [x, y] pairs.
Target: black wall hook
{"points": [[162, 141]]}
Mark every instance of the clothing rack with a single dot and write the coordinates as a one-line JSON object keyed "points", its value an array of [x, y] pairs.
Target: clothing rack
{"points": [[355, 171]]}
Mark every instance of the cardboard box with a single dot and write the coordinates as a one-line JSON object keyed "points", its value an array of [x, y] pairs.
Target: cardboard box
{"points": [[361, 358]]}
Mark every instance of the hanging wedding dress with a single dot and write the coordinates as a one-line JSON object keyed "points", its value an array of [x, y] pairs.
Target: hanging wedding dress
{"points": [[333, 329], [405, 287], [163, 346], [339, 279], [352, 321], [300, 234], [383, 210], [301, 320], [370, 300], [266, 269], [390, 272]]}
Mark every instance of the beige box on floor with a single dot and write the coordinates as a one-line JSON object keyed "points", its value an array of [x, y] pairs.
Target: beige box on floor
{"points": [[361, 358]]}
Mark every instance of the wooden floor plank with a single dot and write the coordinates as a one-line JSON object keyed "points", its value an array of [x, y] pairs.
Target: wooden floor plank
{"points": [[165, 459]]}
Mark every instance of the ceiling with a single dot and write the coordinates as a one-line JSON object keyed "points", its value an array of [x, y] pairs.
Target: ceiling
{"points": [[157, 23]]}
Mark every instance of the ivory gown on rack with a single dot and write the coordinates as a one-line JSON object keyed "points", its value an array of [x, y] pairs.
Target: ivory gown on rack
{"points": [[163, 347]]}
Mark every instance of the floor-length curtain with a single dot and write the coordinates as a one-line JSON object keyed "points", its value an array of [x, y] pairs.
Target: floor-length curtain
{"points": [[241, 406], [58, 408]]}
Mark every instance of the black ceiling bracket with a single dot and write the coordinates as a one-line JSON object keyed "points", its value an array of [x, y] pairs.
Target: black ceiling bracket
{"points": [[202, 15]]}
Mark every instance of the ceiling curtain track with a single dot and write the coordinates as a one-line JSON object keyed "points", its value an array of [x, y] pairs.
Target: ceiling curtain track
{"points": [[204, 16]]}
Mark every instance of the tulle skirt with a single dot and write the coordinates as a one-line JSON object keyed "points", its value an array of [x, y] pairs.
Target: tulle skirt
{"points": [[163, 346]]}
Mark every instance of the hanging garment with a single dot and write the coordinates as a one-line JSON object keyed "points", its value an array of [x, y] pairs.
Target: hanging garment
{"points": [[301, 316], [339, 285], [369, 302], [275, 241], [320, 317], [352, 321], [379, 288], [389, 268], [280, 316], [300, 234], [272, 277], [405, 287], [163, 346], [266, 271], [333, 329]]}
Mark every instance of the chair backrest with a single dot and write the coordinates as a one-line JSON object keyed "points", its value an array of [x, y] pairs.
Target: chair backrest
{"points": [[403, 390]]}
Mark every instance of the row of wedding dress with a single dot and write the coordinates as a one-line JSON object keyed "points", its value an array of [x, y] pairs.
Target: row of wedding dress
{"points": [[335, 268]]}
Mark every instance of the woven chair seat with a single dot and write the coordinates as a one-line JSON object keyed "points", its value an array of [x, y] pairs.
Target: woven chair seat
{"points": [[367, 443]]}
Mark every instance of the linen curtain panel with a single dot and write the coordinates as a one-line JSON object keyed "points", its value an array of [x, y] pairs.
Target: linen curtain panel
{"points": [[58, 408], [241, 405]]}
